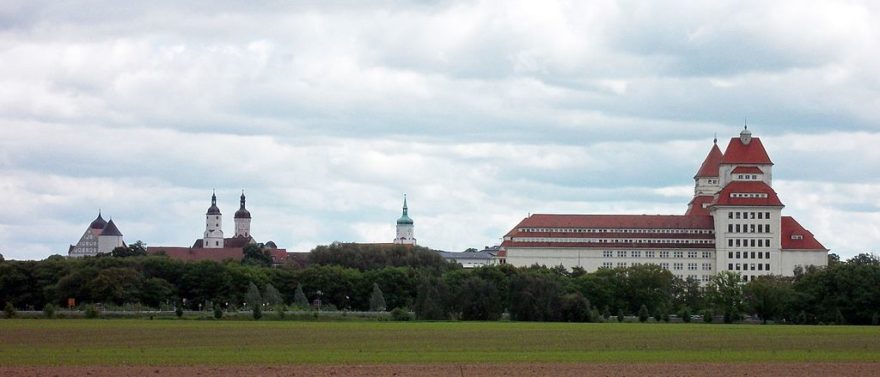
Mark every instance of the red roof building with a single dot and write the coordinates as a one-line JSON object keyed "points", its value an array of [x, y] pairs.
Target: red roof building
{"points": [[733, 222]]}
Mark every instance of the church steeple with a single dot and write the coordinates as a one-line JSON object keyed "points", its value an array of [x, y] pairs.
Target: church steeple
{"points": [[213, 225], [405, 227], [242, 219]]}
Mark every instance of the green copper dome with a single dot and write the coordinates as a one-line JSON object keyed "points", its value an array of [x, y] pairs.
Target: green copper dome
{"points": [[404, 219]]}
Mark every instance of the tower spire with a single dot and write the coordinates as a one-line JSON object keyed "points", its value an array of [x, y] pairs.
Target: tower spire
{"points": [[405, 208], [242, 198]]}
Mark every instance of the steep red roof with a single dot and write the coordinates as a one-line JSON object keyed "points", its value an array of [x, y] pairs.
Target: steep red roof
{"points": [[695, 207], [739, 153], [806, 241], [747, 170], [617, 221], [710, 165], [731, 195]]}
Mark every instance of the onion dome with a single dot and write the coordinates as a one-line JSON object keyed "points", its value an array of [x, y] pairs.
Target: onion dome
{"points": [[213, 210], [404, 219], [98, 223], [242, 212], [271, 245]]}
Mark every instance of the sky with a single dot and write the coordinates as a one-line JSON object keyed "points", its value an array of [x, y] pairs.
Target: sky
{"points": [[482, 112]]}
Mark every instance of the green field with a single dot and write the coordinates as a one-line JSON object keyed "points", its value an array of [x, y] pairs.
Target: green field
{"points": [[175, 342]]}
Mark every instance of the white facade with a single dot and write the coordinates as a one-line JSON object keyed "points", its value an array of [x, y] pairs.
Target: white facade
{"points": [[734, 223], [100, 237], [242, 219]]}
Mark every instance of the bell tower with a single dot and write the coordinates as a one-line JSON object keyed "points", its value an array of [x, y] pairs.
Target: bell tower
{"points": [[213, 226], [405, 227]]}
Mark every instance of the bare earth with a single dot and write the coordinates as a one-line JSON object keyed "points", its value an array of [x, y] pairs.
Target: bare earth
{"points": [[467, 370]]}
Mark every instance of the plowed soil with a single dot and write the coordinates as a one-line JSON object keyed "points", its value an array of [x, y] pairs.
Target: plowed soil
{"points": [[470, 370]]}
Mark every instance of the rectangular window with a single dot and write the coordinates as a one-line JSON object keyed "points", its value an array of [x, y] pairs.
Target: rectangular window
{"points": [[707, 254], [766, 266], [752, 266], [767, 242], [621, 254], [738, 242], [752, 242], [766, 228], [760, 255], [621, 264], [730, 254], [664, 266], [767, 215], [730, 266], [752, 215], [649, 254], [607, 254], [760, 267], [636, 254], [729, 228], [677, 266], [730, 242], [692, 254], [730, 215], [767, 255], [737, 255], [692, 266], [707, 266], [677, 254], [737, 266], [737, 215], [760, 243], [751, 228], [738, 229], [745, 255], [607, 265], [760, 215], [753, 255]]}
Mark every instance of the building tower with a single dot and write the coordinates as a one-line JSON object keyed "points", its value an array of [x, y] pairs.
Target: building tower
{"points": [[110, 238], [242, 220], [213, 226], [405, 227]]}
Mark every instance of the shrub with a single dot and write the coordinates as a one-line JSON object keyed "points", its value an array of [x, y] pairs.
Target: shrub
{"points": [[281, 309], [665, 317], [620, 315], [707, 316], [606, 313], [49, 311], [377, 299], [728, 316], [875, 320], [218, 312], [400, 314], [92, 311], [643, 314], [686, 315], [179, 311], [257, 312], [9, 310]]}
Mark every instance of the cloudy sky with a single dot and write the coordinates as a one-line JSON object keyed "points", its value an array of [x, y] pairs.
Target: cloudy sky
{"points": [[327, 112]]}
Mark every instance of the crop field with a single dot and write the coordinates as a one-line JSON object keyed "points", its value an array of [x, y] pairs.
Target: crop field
{"points": [[246, 343]]}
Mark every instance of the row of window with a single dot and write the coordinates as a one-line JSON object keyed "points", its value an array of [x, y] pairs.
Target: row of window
{"points": [[620, 230], [749, 215], [614, 240], [745, 255], [748, 228], [748, 266], [748, 242], [665, 266], [747, 176], [760, 195], [652, 254]]}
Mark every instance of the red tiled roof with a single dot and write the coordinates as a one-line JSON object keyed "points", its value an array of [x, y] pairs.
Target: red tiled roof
{"points": [[627, 245], [710, 165], [724, 198], [747, 170], [695, 207], [739, 153], [791, 227], [615, 222], [188, 254]]}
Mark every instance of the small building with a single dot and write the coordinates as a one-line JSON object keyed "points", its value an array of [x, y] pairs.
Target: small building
{"points": [[101, 237], [472, 259]]}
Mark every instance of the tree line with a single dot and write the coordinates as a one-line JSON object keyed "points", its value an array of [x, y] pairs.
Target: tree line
{"points": [[373, 277]]}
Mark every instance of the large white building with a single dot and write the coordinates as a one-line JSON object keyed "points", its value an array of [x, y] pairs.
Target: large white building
{"points": [[733, 223], [101, 237]]}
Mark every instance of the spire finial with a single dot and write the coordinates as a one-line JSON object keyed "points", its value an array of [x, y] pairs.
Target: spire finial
{"points": [[745, 123], [405, 208], [715, 139], [242, 198]]}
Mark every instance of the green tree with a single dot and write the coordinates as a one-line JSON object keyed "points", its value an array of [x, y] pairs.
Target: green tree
{"points": [[178, 310], [271, 295], [257, 312], [767, 296], [686, 315], [707, 316], [299, 298], [643, 314], [49, 311], [534, 297], [479, 300], [430, 301], [137, 249], [9, 310], [620, 316], [218, 312], [574, 307], [155, 291], [116, 285], [377, 299], [253, 297], [256, 255], [725, 294]]}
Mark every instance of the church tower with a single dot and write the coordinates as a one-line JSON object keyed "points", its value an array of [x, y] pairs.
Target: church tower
{"points": [[213, 226], [405, 227], [242, 220]]}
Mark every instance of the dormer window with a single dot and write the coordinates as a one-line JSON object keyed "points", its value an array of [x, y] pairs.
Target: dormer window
{"points": [[797, 237]]}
